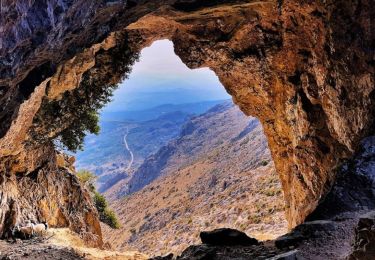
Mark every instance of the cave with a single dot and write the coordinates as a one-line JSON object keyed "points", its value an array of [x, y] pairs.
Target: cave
{"points": [[305, 69], [172, 139]]}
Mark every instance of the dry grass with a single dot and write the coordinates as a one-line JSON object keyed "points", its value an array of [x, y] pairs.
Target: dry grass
{"points": [[65, 238]]}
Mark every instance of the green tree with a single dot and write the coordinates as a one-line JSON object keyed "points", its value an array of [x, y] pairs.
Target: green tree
{"points": [[68, 119], [100, 202], [72, 138]]}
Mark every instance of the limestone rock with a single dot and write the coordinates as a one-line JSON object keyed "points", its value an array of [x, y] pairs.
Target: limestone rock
{"points": [[50, 193], [166, 257]]}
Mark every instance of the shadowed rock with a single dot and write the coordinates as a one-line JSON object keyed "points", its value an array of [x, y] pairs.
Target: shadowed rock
{"points": [[303, 232], [364, 244], [227, 237], [291, 255]]}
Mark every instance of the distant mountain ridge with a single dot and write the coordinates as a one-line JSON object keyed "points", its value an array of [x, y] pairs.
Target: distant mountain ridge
{"points": [[155, 112]]}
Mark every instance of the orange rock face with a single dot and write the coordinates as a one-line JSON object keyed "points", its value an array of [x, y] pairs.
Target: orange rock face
{"points": [[50, 192], [305, 69], [287, 64]]}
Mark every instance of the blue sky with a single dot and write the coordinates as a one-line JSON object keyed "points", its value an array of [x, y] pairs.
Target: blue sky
{"points": [[160, 77]]}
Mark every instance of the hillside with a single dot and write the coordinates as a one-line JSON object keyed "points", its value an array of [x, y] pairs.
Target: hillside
{"points": [[195, 139], [106, 154], [200, 181], [145, 131]]}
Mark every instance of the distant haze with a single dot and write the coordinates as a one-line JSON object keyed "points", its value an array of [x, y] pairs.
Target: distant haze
{"points": [[160, 78]]}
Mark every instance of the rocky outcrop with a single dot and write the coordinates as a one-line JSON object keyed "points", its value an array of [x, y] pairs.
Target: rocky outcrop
{"points": [[303, 232], [364, 244], [51, 192], [305, 69], [354, 188], [227, 237], [284, 63], [224, 244]]}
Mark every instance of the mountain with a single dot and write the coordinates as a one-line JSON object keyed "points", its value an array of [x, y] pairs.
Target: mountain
{"points": [[217, 173], [144, 131], [147, 96], [107, 156], [153, 113]]}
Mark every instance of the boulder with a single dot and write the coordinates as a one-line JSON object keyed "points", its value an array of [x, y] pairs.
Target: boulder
{"points": [[227, 237], [292, 239], [166, 257], [303, 232], [364, 242]]}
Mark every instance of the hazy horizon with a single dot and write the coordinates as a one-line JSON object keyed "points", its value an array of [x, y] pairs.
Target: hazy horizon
{"points": [[156, 81]]}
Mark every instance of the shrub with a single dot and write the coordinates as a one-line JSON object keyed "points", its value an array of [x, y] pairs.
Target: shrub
{"points": [[87, 179], [101, 203], [110, 218], [106, 215], [264, 163]]}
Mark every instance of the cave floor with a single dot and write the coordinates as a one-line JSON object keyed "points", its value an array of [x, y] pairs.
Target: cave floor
{"points": [[59, 244], [35, 249]]}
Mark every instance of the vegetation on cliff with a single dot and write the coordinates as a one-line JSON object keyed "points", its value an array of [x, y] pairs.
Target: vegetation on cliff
{"points": [[106, 215]]}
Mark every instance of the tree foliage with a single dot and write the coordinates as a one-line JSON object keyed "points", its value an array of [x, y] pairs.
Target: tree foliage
{"points": [[68, 119], [83, 106]]}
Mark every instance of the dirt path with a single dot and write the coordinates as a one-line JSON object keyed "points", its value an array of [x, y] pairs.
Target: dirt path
{"points": [[61, 244], [128, 149]]}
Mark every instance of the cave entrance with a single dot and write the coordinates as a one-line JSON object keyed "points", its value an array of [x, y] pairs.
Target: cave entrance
{"points": [[176, 156]]}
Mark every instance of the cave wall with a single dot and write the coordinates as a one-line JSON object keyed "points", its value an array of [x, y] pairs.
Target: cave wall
{"points": [[40, 185], [304, 68]]}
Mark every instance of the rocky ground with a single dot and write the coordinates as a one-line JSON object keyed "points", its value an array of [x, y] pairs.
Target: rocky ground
{"points": [[35, 249], [315, 240], [341, 228], [59, 244]]}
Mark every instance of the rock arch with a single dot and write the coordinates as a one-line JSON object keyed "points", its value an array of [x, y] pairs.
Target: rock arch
{"points": [[291, 64]]}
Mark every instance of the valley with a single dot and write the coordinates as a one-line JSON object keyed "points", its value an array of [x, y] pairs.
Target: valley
{"points": [[106, 154], [200, 181]]}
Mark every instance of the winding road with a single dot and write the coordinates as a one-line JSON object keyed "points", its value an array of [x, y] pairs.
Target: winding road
{"points": [[128, 149]]}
